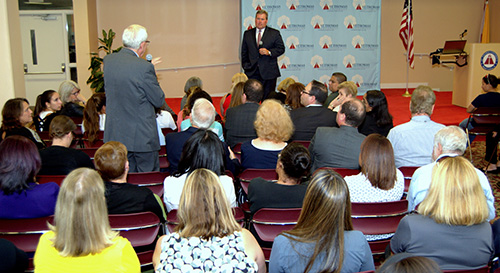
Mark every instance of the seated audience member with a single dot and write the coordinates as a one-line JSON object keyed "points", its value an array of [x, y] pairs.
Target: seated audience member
{"points": [[94, 117], [202, 150], [225, 102], [450, 141], [12, 259], [197, 94], [339, 147], [491, 155], [206, 223], [307, 119], [378, 119], [164, 120], [379, 180], [81, 239], [293, 165], [21, 196], [451, 227], [412, 141], [293, 94], [71, 98], [236, 96], [239, 120], [202, 116], [59, 158], [491, 98], [273, 126], [121, 197], [47, 105], [282, 90], [408, 263], [16, 115], [323, 239], [347, 90], [333, 86], [190, 85]]}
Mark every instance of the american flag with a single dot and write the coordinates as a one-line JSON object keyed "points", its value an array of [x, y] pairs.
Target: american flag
{"points": [[406, 32]]}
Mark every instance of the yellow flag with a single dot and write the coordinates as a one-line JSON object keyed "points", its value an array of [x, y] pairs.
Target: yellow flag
{"points": [[485, 26]]}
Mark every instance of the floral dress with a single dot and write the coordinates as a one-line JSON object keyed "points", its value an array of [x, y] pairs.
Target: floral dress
{"points": [[194, 254]]}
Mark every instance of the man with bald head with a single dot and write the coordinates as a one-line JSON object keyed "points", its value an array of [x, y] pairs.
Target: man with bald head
{"points": [[339, 147]]}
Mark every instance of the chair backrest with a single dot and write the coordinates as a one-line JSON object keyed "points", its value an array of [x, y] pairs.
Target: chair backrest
{"points": [[164, 163], [485, 119], [249, 174], [141, 229], [269, 222], [407, 174], [58, 179], [342, 171], [378, 218], [152, 180], [237, 151], [172, 220], [303, 142]]}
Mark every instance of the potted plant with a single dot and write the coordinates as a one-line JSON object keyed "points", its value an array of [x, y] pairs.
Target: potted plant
{"points": [[96, 79]]}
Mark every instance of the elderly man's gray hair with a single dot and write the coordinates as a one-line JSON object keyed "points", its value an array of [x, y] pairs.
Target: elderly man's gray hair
{"points": [[453, 140], [203, 113]]}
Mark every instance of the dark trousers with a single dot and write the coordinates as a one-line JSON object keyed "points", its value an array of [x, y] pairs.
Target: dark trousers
{"points": [[269, 85], [491, 148], [140, 162]]}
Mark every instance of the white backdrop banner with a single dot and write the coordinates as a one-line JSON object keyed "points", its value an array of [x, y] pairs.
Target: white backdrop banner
{"points": [[324, 36]]}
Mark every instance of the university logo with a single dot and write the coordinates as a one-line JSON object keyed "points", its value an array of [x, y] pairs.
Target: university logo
{"points": [[284, 62], [326, 4], [489, 60], [292, 4], [358, 80], [324, 79], [349, 61], [325, 42], [317, 22], [248, 22], [358, 41], [258, 4], [316, 61], [283, 22], [349, 21], [292, 42], [358, 4]]}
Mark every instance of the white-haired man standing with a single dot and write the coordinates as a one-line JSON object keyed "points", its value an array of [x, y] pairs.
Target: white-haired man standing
{"points": [[132, 93], [450, 141]]}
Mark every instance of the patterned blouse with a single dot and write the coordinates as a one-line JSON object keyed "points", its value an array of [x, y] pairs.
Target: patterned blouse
{"points": [[194, 254]]}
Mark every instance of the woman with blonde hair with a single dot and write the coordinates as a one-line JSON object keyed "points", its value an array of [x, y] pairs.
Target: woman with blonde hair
{"points": [[69, 91], [228, 98], [323, 239], [274, 127], [347, 89], [282, 90], [208, 238], [81, 239], [451, 227]]}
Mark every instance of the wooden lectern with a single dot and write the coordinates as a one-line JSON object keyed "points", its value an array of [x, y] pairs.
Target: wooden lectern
{"points": [[467, 79]]}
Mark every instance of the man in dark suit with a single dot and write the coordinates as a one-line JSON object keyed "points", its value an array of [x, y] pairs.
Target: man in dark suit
{"points": [[239, 120], [313, 115], [132, 93], [339, 147], [260, 49]]}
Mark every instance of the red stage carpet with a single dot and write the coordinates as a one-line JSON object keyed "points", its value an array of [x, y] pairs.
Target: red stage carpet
{"points": [[399, 106]]}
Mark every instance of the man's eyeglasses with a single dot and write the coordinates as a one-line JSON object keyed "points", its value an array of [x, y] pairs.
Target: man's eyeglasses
{"points": [[307, 93]]}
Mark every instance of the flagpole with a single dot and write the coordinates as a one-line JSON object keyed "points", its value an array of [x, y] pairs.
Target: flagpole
{"points": [[407, 94]]}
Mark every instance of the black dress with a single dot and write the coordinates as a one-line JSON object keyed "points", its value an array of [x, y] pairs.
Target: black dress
{"points": [[369, 126]]}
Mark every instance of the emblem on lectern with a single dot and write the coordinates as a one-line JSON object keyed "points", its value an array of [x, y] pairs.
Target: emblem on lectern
{"points": [[489, 60]]}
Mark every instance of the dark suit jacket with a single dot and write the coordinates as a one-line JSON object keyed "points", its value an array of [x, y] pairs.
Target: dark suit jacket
{"points": [[307, 119], [336, 147], [132, 93], [239, 123], [252, 62]]}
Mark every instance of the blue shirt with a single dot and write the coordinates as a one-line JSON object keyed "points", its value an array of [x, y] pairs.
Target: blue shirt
{"points": [[413, 141], [215, 127], [37, 201]]}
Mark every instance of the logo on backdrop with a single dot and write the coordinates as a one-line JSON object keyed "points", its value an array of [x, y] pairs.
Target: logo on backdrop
{"points": [[489, 60], [349, 21], [358, 4], [318, 23], [317, 63], [258, 4], [349, 61], [358, 79], [284, 63], [325, 42], [326, 4], [324, 79], [296, 6], [292, 42], [285, 24], [248, 22], [357, 41]]}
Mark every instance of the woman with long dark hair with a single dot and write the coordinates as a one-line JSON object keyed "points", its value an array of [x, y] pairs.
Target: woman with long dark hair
{"points": [[47, 105], [16, 115], [323, 239], [378, 119], [94, 117]]}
